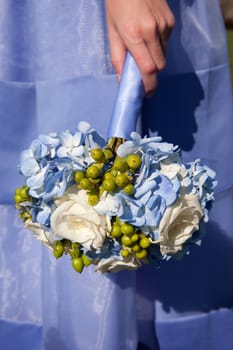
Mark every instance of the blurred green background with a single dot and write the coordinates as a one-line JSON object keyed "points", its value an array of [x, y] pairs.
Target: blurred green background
{"points": [[230, 49]]}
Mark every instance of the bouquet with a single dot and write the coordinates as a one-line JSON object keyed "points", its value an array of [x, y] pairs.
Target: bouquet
{"points": [[118, 203]]}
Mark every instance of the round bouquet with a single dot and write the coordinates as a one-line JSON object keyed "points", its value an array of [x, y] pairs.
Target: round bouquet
{"points": [[115, 203]]}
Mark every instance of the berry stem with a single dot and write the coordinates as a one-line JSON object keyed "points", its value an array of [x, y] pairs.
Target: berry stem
{"points": [[114, 142]]}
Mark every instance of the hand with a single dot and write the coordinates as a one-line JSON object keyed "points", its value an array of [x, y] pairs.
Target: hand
{"points": [[142, 27]]}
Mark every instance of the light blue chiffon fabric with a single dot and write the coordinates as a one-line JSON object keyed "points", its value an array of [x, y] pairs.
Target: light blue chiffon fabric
{"points": [[55, 70]]}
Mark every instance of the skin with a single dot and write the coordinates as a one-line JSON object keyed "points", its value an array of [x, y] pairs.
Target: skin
{"points": [[141, 27]]}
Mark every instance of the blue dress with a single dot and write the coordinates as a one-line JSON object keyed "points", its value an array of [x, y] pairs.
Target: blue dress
{"points": [[55, 70]]}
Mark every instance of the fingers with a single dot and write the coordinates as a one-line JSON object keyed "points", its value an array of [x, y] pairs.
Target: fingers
{"points": [[144, 45], [142, 27], [139, 51], [117, 50], [145, 63], [164, 18], [150, 32]]}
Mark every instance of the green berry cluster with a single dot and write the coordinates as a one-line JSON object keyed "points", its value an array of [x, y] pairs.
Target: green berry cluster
{"points": [[107, 173], [22, 195], [133, 241], [78, 259]]}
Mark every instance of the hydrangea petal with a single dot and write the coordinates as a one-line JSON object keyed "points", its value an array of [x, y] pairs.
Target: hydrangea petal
{"points": [[84, 126], [66, 139], [29, 166], [37, 180], [44, 215], [51, 140], [39, 149]]}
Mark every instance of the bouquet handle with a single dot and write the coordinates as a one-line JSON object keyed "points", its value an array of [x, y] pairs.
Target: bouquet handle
{"points": [[128, 102]]}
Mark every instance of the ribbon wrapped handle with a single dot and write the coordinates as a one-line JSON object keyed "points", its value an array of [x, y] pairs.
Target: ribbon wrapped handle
{"points": [[128, 102]]}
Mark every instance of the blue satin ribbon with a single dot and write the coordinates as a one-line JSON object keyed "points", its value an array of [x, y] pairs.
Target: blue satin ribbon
{"points": [[128, 102]]}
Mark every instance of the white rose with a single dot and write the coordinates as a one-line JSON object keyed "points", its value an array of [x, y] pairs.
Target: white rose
{"points": [[75, 219], [116, 265], [40, 233], [179, 222]]}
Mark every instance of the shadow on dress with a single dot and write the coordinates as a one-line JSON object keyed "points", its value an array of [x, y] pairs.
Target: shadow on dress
{"points": [[202, 281], [142, 346], [53, 340], [171, 111]]}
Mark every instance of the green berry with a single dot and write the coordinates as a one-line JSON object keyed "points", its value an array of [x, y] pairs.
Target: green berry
{"points": [[127, 229], [118, 221], [95, 181], [93, 198], [17, 198], [114, 172], [141, 254], [93, 171], [134, 237], [86, 260], [58, 249], [74, 250], [24, 193], [126, 240], [101, 191], [108, 153], [121, 180], [124, 253], [109, 185], [134, 161], [78, 264], [144, 242], [99, 165], [120, 164], [78, 176], [17, 191], [21, 194], [136, 248], [116, 231], [75, 245], [108, 175], [97, 154], [86, 184], [129, 189], [25, 215]]}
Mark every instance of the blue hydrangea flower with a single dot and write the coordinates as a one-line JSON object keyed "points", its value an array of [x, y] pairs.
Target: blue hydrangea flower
{"points": [[70, 145], [137, 143], [204, 181], [161, 183], [51, 140]]}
